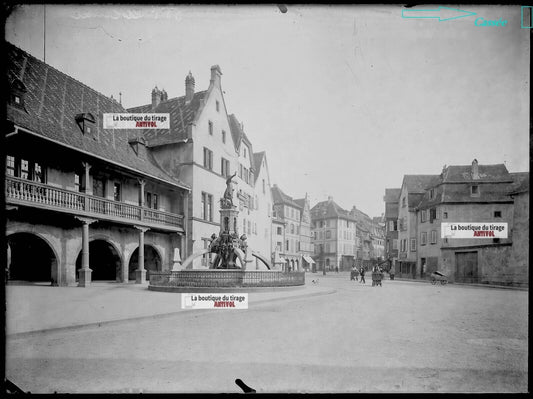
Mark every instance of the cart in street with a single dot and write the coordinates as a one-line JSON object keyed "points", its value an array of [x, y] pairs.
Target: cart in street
{"points": [[437, 276]]}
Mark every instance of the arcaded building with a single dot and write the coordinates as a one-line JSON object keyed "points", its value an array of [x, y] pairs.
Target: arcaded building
{"points": [[83, 203]]}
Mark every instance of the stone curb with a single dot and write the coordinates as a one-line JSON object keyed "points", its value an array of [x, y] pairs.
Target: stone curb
{"points": [[27, 334]]}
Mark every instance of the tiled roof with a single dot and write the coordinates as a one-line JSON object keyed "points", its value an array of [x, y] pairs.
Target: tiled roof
{"points": [[419, 183], [392, 194], [333, 210], [497, 183], [258, 159], [364, 222], [181, 112], [462, 173], [279, 197], [490, 192], [301, 202], [52, 101], [237, 133]]}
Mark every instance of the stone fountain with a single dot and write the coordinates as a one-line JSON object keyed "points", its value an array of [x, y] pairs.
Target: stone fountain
{"points": [[228, 269]]}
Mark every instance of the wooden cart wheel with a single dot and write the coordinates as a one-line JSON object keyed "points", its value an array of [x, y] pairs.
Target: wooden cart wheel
{"points": [[443, 282], [433, 282]]}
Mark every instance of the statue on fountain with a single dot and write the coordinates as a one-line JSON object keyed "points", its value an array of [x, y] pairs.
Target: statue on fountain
{"points": [[228, 246], [227, 199]]}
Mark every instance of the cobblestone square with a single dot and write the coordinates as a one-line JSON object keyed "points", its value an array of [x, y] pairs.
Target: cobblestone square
{"points": [[401, 337]]}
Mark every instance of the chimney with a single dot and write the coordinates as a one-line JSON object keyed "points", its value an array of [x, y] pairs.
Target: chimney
{"points": [[475, 170], [216, 73], [330, 198], [164, 95], [156, 97], [189, 87]]}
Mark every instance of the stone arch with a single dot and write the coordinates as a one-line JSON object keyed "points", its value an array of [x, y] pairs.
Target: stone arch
{"points": [[105, 259], [32, 258], [153, 261], [297, 265]]}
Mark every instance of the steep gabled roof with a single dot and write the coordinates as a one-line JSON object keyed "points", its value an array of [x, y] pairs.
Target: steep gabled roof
{"points": [[181, 112], [279, 197], [52, 101]]}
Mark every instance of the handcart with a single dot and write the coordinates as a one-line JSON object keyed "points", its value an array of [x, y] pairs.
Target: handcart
{"points": [[377, 276], [438, 276]]}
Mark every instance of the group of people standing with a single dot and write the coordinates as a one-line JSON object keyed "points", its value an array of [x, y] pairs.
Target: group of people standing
{"points": [[358, 272], [377, 275]]}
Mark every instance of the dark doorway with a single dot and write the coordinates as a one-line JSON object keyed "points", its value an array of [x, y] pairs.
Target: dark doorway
{"points": [[152, 262], [466, 267], [104, 261], [31, 259]]}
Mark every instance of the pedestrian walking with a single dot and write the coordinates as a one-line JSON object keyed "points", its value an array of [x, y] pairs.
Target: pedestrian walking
{"points": [[362, 273]]}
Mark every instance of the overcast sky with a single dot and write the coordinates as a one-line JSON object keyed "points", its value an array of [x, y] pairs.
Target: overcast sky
{"points": [[345, 100]]}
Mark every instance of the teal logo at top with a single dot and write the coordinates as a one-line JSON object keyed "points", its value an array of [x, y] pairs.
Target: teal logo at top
{"points": [[441, 13]]}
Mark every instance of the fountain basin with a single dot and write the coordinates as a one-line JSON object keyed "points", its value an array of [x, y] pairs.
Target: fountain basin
{"points": [[224, 279]]}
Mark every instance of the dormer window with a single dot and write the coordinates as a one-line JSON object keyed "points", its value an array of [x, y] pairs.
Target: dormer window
{"points": [[474, 191], [86, 122], [431, 193], [18, 92]]}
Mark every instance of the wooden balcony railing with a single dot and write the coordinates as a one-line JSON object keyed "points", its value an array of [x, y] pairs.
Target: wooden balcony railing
{"points": [[31, 192]]}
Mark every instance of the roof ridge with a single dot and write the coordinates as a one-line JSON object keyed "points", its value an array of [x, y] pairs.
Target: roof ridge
{"points": [[66, 74], [166, 101]]}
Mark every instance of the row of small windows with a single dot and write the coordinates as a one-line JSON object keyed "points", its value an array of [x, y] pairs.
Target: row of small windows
{"points": [[331, 223], [474, 192], [433, 214], [34, 171], [25, 169], [293, 230], [346, 235], [423, 241]]}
